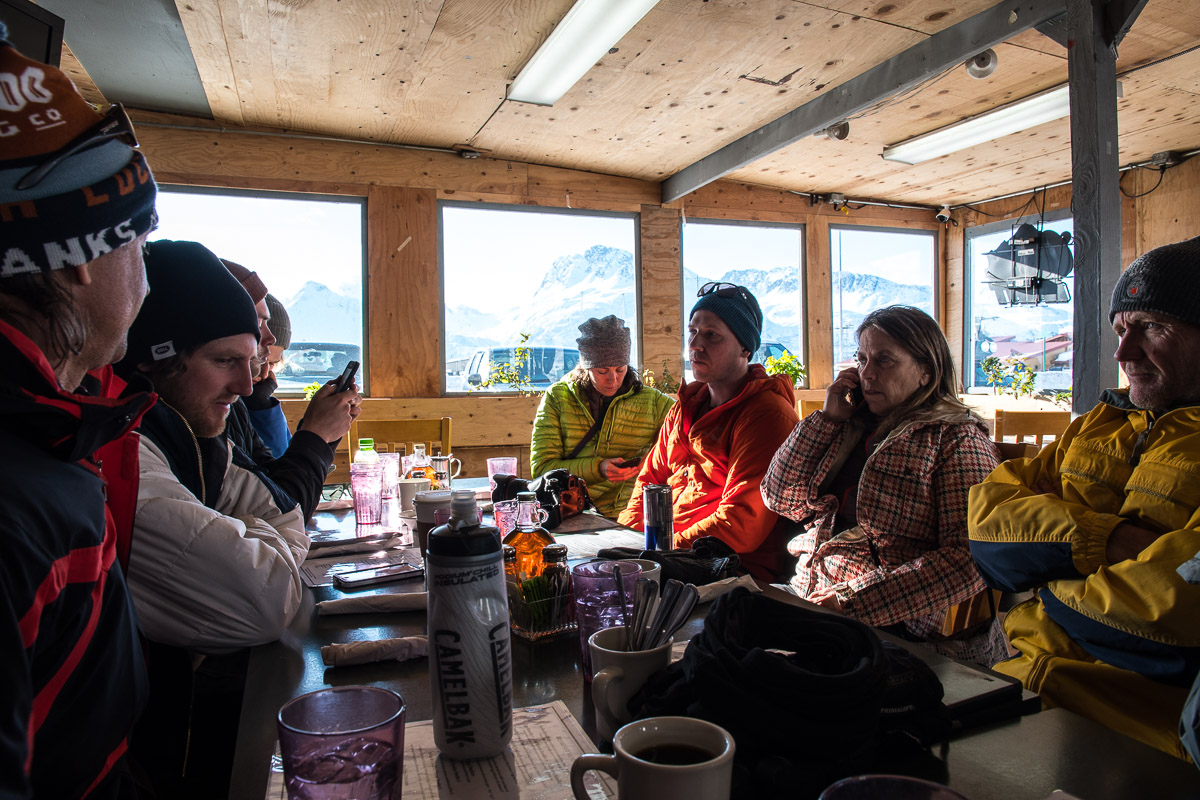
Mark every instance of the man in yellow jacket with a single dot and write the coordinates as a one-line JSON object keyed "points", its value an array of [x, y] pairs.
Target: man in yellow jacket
{"points": [[1100, 521]]}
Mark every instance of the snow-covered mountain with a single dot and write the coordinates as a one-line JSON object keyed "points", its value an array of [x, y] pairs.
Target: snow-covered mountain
{"points": [[319, 314], [600, 280]]}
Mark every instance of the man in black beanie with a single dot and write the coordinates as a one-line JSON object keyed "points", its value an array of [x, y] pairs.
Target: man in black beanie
{"points": [[214, 564], [76, 203], [717, 441], [1101, 520]]}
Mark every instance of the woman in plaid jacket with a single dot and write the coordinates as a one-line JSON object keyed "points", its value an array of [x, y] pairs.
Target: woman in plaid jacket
{"points": [[880, 476]]}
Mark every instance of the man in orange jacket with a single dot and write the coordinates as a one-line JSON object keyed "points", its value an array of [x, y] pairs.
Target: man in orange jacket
{"points": [[715, 445]]}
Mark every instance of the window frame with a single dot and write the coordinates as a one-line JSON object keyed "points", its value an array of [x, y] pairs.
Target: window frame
{"points": [[364, 373], [686, 302], [935, 289], [635, 217], [968, 314]]}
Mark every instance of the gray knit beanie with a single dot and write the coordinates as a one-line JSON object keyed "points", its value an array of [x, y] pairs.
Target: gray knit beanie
{"points": [[1166, 280], [605, 343], [280, 324], [739, 311]]}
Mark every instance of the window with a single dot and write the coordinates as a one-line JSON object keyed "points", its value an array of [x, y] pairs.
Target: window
{"points": [[1019, 304], [766, 258], [307, 249], [510, 272], [873, 268]]}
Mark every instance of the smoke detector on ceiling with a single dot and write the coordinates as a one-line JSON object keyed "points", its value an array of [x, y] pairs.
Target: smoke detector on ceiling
{"points": [[983, 64]]}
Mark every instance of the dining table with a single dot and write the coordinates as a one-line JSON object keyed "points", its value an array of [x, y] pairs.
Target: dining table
{"points": [[1004, 747]]}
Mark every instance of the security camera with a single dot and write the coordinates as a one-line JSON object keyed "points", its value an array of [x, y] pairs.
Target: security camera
{"points": [[943, 215]]}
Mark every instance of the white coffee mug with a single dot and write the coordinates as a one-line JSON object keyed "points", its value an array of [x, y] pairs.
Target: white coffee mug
{"points": [[664, 757], [408, 488], [650, 569], [618, 674]]}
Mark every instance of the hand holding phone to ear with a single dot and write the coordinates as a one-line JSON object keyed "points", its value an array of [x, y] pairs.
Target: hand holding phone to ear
{"points": [[844, 396]]}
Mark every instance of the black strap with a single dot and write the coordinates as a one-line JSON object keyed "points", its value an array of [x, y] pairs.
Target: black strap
{"points": [[587, 437]]}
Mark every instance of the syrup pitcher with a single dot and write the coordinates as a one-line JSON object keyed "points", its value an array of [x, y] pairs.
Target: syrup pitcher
{"points": [[443, 476]]}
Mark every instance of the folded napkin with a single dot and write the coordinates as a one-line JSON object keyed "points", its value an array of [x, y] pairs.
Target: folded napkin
{"points": [[711, 591], [343, 655], [353, 546], [412, 601]]}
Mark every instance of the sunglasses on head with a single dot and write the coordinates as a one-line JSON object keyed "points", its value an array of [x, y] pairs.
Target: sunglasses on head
{"points": [[114, 124], [724, 289]]}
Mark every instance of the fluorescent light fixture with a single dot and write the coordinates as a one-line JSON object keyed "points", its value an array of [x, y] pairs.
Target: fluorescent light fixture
{"points": [[585, 35], [1029, 112]]}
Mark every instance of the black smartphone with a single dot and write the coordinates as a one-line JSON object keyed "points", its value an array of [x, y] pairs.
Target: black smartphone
{"points": [[346, 378], [855, 396], [631, 462], [374, 575]]}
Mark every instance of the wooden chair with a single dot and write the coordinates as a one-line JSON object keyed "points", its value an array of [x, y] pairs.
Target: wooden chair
{"points": [[809, 406], [399, 435], [1036, 424]]}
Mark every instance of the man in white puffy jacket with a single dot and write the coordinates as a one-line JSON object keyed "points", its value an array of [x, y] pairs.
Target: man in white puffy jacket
{"points": [[214, 560]]}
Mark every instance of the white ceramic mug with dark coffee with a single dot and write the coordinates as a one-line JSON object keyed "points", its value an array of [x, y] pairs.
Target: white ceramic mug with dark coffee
{"points": [[618, 674], [663, 757]]}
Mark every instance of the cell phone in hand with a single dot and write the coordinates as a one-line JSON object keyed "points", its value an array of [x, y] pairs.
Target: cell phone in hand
{"points": [[375, 575], [631, 462], [855, 396], [346, 378]]}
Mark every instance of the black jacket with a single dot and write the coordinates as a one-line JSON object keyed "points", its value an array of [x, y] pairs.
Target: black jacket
{"points": [[302, 468], [72, 671]]}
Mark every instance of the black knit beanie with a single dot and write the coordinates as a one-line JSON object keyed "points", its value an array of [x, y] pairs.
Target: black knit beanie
{"points": [[193, 300], [740, 312], [1166, 280]]}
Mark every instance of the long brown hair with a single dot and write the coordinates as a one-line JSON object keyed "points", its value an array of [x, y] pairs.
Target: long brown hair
{"points": [[922, 338]]}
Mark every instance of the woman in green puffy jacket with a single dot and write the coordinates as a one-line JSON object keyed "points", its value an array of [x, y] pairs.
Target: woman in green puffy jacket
{"points": [[599, 420]]}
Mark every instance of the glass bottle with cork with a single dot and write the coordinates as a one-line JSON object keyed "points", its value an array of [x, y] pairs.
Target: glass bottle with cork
{"points": [[529, 537], [420, 466]]}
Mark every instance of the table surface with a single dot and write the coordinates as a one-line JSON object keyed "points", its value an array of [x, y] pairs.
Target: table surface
{"points": [[1016, 759]]}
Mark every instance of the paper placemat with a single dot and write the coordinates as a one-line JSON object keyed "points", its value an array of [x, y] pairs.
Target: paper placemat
{"points": [[537, 766]]}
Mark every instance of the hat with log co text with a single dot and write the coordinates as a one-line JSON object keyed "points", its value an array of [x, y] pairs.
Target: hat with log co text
{"points": [[72, 187], [604, 343], [1165, 279], [193, 300]]}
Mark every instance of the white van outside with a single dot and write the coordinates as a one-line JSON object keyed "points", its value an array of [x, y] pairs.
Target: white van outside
{"points": [[546, 365]]}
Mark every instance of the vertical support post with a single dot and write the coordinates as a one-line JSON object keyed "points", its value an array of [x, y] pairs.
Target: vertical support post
{"points": [[1096, 198]]}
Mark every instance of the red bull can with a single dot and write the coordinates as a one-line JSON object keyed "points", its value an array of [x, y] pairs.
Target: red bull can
{"points": [[658, 517]]}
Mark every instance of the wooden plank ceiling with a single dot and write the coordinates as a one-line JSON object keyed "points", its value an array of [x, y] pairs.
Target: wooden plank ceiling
{"points": [[691, 77]]}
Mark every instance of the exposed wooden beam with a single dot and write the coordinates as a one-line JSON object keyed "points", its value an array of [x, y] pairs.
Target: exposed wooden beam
{"points": [[903, 71], [1095, 199], [1055, 29], [1119, 16]]}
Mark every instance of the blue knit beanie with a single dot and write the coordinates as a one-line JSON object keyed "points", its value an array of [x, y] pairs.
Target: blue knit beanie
{"points": [[741, 313]]}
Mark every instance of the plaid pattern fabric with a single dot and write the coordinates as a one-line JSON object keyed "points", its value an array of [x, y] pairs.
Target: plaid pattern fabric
{"points": [[912, 505]]}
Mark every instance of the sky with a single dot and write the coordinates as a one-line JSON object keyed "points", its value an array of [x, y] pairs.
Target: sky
{"points": [[482, 246], [710, 250], [288, 242], [898, 256]]}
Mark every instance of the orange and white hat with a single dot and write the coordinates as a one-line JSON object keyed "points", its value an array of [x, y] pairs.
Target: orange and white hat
{"points": [[72, 186]]}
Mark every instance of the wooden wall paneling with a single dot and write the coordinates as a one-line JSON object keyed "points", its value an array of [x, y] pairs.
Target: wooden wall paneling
{"points": [[661, 287], [1171, 212], [244, 156], [573, 189], [404, 332], [818, 303], [954, 283]]}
